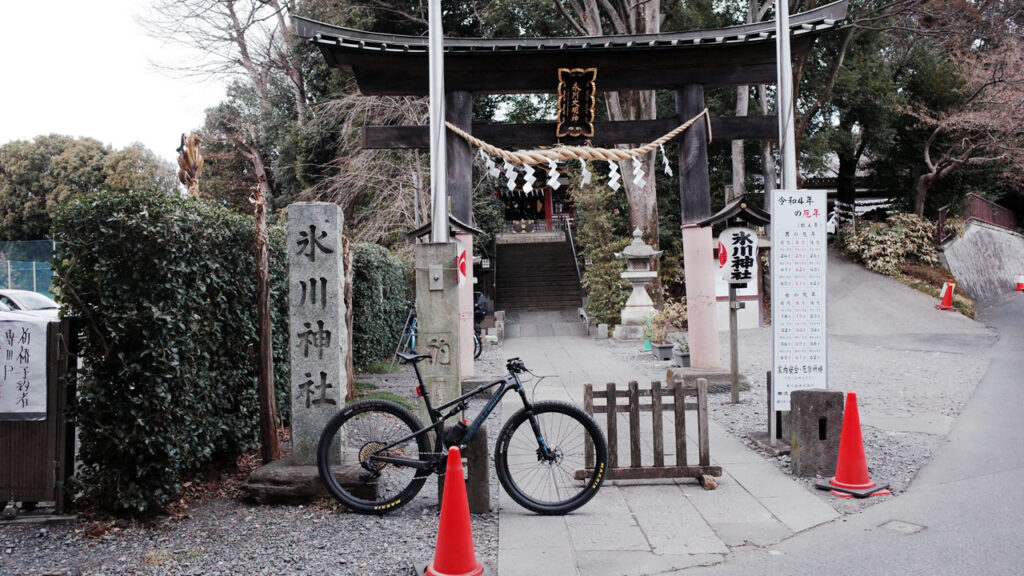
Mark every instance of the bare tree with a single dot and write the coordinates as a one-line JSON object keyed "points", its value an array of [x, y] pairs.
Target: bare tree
{"points": [[986, 126], [378, 189], [626, 17]]}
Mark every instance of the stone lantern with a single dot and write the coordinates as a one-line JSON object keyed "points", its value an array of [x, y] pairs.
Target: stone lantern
{"points": [[640, 258]]}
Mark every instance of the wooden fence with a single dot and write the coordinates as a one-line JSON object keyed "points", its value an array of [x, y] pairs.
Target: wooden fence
{"points": [[36, 457], [656, 400]]}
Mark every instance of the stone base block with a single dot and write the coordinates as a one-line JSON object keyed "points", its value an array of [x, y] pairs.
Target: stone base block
{"points": [[628, 332], [816, 423], [284, 482], [719, 381], [761, 439]]}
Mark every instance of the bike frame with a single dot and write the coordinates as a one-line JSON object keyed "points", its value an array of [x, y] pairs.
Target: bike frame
{"points": [[438, 417]]}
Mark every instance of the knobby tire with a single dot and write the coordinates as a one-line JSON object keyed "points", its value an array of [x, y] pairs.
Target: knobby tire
{"points": [[549, 486], [366, 426]]}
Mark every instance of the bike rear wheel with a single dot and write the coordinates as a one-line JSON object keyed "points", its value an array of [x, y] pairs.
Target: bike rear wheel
{"points": [[353, 437], [561, 478]]}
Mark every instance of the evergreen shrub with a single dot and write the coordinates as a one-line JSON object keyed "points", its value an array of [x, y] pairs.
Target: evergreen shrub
{"points": [[380, 302], [884, 246], [165, 288]]}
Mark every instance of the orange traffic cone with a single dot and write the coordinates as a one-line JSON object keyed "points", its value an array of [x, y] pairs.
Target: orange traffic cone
{"points": [[453, 555], [1020, 283], [852, 477], [947, 296]]}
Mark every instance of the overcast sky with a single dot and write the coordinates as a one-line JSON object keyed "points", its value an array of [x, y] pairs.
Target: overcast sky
{"points": [[83, 68]]}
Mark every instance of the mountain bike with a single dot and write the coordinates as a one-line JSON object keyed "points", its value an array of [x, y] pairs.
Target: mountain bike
{"points": [[550, 457]]}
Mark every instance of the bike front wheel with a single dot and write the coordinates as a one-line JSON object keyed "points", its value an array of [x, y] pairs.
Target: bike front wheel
{"points": [[349, 448], [478, 346], [557, 469]]}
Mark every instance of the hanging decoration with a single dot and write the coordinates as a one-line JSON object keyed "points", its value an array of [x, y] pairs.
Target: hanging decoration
{"points": [[553, 175], [664, 159], [530, 179], [638, 172], [585, 173], [530, 158], [492, 170], [613, 175], [510, 174]]}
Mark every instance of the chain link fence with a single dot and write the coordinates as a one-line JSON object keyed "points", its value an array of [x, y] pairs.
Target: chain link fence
{"points": [[25, 265]]}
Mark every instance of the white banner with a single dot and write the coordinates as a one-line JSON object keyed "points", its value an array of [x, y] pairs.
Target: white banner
{"points": [[22, 368], [799, 343]]}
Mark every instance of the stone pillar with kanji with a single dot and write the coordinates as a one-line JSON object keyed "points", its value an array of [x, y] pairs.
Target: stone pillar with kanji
{"points": [[318, 336]]}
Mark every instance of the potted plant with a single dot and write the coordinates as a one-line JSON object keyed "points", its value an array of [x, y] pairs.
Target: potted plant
{"points": [[671, 318], [680, 351]]}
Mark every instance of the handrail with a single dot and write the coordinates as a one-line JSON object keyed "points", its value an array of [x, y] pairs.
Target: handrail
{"points": [[572, 244]]}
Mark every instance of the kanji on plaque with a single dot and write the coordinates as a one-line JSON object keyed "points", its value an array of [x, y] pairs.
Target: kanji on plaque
{"points": [[23, 369], [799, 344], [738, 256]]}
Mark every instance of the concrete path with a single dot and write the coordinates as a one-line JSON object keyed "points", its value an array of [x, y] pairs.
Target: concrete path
{"points": [[962, 514], [649, 527]]}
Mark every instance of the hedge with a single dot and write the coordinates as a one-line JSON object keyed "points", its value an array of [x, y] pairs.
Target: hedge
{"points": [[381, 299], [165, 288]]}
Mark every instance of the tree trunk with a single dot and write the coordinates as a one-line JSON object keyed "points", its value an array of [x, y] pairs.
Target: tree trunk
{"points": [[767, 158], [739, 173], [846, 189], [346, 262], [270, 446], [921, 187]]}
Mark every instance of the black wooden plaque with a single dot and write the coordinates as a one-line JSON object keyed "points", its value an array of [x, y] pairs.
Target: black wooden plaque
{"points": [[576, 97]]}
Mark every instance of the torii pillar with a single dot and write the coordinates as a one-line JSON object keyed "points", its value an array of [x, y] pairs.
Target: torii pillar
{"points": [[698, 244]]}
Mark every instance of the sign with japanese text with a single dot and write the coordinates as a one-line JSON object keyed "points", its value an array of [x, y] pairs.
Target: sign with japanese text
{"points": [[318, 340], [23, 369], [576, 97], [799, 344], [737, 255]]}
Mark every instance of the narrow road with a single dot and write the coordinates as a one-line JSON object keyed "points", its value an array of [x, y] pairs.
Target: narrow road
{"points": [[962, 514]]}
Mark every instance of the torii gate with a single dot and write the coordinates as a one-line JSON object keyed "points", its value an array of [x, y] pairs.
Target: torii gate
{"points": [[389, 64]]}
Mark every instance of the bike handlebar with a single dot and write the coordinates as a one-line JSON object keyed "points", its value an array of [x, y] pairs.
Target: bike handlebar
{"points": [[515, 366]]}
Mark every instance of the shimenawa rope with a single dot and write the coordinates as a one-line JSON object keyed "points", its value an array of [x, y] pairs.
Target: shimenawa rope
{"points": [[560, 153]]}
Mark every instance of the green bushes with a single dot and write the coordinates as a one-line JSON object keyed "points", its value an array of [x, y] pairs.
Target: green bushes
{"points": [[885, 246], [381, 298], [597, 235], [165, 288]]}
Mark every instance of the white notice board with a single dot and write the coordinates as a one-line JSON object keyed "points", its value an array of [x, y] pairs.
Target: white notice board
{"points": [[22, 368], [799, 244]]}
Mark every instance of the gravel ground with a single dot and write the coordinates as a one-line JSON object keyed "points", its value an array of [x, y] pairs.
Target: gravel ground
{"points": [[898, 388], [907, 399], [229, 536]]}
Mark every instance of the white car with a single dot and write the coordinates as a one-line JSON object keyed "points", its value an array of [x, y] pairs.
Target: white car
{"points": [[31, 303]]}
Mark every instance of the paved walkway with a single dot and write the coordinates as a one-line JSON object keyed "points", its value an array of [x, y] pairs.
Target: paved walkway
{"points": [[889, 345], [649, 527]]}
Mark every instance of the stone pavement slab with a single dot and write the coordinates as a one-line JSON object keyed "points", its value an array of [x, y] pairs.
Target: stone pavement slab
{"points": [[645, 527]]}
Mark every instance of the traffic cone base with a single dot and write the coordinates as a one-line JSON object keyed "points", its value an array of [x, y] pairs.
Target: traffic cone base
{"points": [[852, 477], [848, 492], [947, 297], [453, 555], [1020, 283]]}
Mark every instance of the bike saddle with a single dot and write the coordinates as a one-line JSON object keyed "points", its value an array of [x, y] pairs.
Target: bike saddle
{"points": [[412, 357]]}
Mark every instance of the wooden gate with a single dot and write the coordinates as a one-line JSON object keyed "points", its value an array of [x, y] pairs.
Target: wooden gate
{"points": [[656, 400], [37, 456]]}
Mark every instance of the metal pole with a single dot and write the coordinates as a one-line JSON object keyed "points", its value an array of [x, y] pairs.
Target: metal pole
{"points": [[734, 345], [438, 156], [787, 137]]}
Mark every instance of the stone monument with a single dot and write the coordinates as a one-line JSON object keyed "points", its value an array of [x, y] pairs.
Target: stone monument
{"points": [[639, 257], [318, 343]]}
